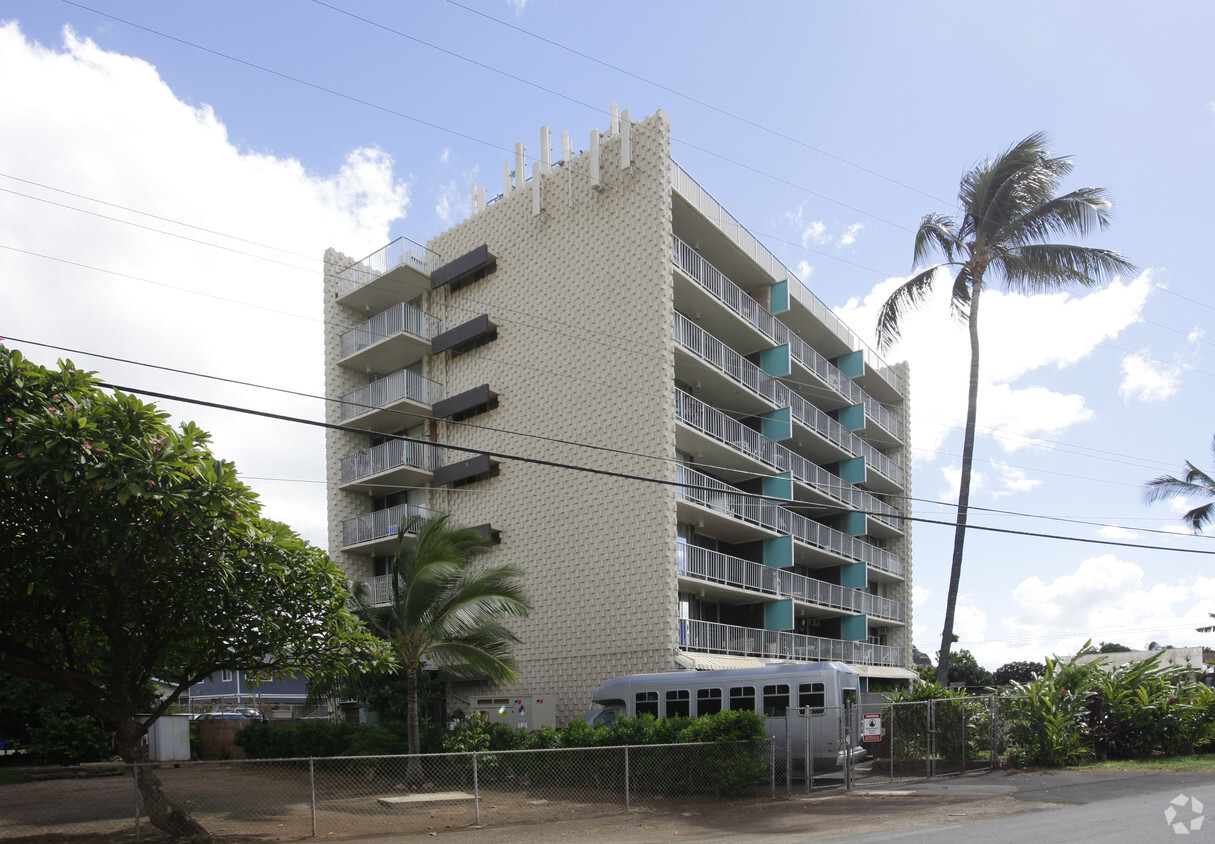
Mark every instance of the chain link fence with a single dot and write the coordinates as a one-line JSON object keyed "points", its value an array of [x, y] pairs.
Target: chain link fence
{"points": [[369, 795]]}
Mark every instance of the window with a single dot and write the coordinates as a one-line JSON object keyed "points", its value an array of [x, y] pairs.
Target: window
{"points": [[647, 703], [812, 695], [708, 701], [678, 703], [776, 699], [226, 677], [848, 696], [742, 697]]}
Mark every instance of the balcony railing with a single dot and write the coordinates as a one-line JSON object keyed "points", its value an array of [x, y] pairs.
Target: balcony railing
{"points": [[713, 423], [394, 454], [398, 386], [711, 637], [399, 318], [401, 252], [737, 300], [715, 567], [703, 201], [381, 524], [728, 500], [708, 348]]}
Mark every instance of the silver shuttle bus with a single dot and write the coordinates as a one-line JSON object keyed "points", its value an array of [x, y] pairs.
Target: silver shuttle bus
{"points": [[819, 689]]}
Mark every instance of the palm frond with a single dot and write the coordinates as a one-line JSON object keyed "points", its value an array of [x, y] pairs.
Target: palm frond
{"points": [[1195, 484], [907, 297], [1080, 212], [1039, 267], [959, 295], [936, 232]]}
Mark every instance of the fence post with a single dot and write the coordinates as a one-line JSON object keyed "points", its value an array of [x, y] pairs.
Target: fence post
{"points": [[965, 705], [135, 780], [772, 763], [847, 745], [476, 790], [627, 807], [893, 708], [788, 756], [931, 744], [312, 791], [809, 760], [994, 704]]}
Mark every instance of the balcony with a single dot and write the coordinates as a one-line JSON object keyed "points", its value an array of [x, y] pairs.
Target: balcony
{"points": [[376, 532], [877, 373], [713, 567], [739, 517], [733, 436], [390, 466], [881, 423], [711, 637], [748, 389], [392, 402], [396, 273], [389, 340]]}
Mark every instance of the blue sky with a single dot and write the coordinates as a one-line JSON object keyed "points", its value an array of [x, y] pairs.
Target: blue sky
{"points": [[258, 134]]}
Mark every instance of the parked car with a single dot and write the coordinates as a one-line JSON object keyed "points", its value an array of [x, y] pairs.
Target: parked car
{"points": [[247, 712]]}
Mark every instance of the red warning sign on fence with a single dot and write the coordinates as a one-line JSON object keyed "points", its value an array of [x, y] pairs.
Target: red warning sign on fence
{"points": [[871, 727]]}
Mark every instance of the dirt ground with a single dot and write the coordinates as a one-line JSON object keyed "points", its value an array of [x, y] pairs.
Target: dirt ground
{"points": [[247, 803]]}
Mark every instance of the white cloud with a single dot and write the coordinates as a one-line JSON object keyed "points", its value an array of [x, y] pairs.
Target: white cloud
{"points": [[849, 236], [1065, 328], [1144, 379], [1104, 599], [804, 270], [103, 125], [953, 481], [920, 595], [816, 231], [1013, 480]]}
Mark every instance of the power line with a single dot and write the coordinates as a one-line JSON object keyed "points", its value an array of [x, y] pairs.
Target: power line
{"points": [[556, 464]]}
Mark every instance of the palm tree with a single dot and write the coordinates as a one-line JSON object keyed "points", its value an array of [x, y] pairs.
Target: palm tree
{"points": [[445, 611], [1196, 484], [1010, 210]]}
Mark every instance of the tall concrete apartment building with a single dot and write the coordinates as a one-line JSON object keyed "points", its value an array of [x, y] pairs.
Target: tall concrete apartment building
{"points": [[606, 312]]}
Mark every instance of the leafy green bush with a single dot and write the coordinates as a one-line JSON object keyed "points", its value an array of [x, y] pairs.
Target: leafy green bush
{"points": [[64, 739]]}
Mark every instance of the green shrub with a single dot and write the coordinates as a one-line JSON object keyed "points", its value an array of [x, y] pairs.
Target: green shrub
{"points": [[64, 739]]}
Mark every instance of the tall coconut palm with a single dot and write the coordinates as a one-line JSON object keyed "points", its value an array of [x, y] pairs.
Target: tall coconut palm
{"points": [[1194, 485], [445, 611], [1010, 211]]}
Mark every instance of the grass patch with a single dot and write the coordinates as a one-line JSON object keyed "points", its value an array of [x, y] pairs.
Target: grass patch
{"points": [[1205, 762]]}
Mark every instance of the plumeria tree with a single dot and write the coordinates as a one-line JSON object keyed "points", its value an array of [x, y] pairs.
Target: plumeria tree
{"points": [[130, 551]]}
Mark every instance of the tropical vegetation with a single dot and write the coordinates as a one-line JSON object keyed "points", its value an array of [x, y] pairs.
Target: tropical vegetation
{"points": [[1011, 209]]}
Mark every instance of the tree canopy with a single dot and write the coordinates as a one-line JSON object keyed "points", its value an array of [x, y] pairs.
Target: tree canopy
{"points": [[131, 552], [1193, 485]]}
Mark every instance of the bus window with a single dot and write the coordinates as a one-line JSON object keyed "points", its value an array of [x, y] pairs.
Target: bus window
{"points": [[708, 701], [647, 703], [848, 696], [776, 699], [742, 697], [812, 695], [678, 703]]}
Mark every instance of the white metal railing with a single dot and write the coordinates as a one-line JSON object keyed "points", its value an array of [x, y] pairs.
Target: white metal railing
{"points": [[715, 567], [379, 590], [717, 495], [380, 524], [713, 423], [401, 251], [708, 348], [399, 318], [695, 267], [393, 454], [712, 637], [700, 199], [402, 384]]}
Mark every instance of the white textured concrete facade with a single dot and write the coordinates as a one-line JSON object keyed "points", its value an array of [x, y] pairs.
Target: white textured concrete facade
{"points": [[600, 347]]}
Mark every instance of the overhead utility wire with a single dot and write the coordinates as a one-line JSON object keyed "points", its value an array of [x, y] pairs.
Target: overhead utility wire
{"points": [[556, 464], [420, 121], [696, 101]]}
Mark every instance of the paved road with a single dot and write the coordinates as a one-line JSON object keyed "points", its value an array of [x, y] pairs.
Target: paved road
{"points": [[1110, 807]]}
